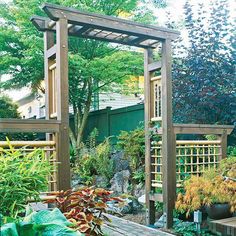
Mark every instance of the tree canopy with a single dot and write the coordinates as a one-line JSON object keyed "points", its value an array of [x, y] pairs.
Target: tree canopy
{"points": [[93, 65], [204, 69], [8, 109]]}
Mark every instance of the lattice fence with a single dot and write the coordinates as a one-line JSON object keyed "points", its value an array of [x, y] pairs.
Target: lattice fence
{"points": [[192, 158], [49, 147]]}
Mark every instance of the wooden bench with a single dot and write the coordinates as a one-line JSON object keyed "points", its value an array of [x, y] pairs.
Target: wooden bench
{"points": [[226, 227]]}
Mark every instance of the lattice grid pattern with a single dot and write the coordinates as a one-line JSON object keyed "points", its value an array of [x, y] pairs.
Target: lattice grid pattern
{"points": [[49, 147], [192, 158]]}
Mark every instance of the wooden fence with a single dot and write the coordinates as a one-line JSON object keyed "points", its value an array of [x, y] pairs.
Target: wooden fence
{"points": [[193, 157], [49, 147]]}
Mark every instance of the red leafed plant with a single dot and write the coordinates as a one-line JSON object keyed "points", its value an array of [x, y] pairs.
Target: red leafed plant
{"points": [[84, 207]]}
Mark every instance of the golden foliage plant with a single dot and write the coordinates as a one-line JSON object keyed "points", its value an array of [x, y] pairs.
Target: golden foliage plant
{"points": [[214, 186]]}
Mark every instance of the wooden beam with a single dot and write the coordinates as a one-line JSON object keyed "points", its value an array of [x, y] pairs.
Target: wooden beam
{"points": [[62, 138], [138, 40], [78, 31], [27, 143], [156, 197], [41, 23], [223, 140], [202, 129], [51, 52], [17, 125], [154, 66], [168, 136], [108, 23], [150, 206]]}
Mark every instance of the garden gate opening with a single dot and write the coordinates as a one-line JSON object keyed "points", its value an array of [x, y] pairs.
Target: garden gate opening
{"points": [[160, 160]]}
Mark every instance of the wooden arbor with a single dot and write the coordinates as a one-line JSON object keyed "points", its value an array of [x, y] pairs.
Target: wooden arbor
{"points": [[66, 22]]}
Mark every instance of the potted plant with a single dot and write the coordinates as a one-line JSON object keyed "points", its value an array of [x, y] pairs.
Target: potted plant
{"points": [[215, 190]]}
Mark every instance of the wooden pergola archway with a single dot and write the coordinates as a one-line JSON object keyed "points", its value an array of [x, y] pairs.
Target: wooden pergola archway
{"points": [[64, 22]]}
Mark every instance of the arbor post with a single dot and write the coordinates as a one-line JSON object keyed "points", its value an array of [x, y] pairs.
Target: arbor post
{"points": [[148, 107], [168, 136], [63, 147]]}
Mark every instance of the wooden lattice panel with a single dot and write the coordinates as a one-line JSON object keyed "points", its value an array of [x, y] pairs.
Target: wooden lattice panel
{"points": [[49, 147], [192, 158], [156, 86]]}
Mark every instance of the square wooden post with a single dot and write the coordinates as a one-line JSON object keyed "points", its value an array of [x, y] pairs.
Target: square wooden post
{"points": [[63, 147], [168, 136], [223, 144], [150, 204], [49, 43]]}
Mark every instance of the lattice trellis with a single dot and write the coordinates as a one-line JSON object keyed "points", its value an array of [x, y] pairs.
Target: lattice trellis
{"points": [[49, 147], [192, 158]]}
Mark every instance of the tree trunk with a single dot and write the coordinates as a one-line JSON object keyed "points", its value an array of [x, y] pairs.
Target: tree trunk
{"points": [[80, 121]]}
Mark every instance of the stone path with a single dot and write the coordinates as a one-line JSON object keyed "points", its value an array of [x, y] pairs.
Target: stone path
{"points": [[121, 227]]}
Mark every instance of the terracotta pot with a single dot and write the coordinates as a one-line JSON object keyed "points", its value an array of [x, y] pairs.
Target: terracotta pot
{"points": [[218, 211]]}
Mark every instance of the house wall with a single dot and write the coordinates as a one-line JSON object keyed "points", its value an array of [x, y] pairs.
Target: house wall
{"points": [[32, 107]]}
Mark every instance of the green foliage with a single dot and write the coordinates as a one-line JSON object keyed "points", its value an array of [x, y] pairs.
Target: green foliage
{"points": [[204, 69], [23, 176], [133, 145], [8, 109], [93, 65], [231, 151], [139, 175], [189, 229], [185, 228], [94, 160], [40, 223], [211, 137], [159, 206]]}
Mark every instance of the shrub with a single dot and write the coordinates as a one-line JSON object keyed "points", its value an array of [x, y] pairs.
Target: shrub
{"points": [[94, 160], [215, 186], [84, 207], [186, 228], [23, 176], [40, 223], [133, 145]]}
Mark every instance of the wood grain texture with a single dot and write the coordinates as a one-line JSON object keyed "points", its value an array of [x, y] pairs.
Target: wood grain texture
{"points": [[148, 58], [62, 138], [168, 136]]}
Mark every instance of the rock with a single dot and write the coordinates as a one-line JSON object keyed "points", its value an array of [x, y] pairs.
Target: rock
{"points": [[101, 181], [136, 206], [113, 207], [160, 223], [162, 220], [132, 206], [75, 183], [120, 163], [139, 190], [127, 206], [142, 199], [120, 182]]}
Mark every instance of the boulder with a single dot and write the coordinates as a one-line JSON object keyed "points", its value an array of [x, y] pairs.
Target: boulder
{"points": [[161, 222], [101, 181], [120, 182], [142, 199], [139, 190], [120, 163]]}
